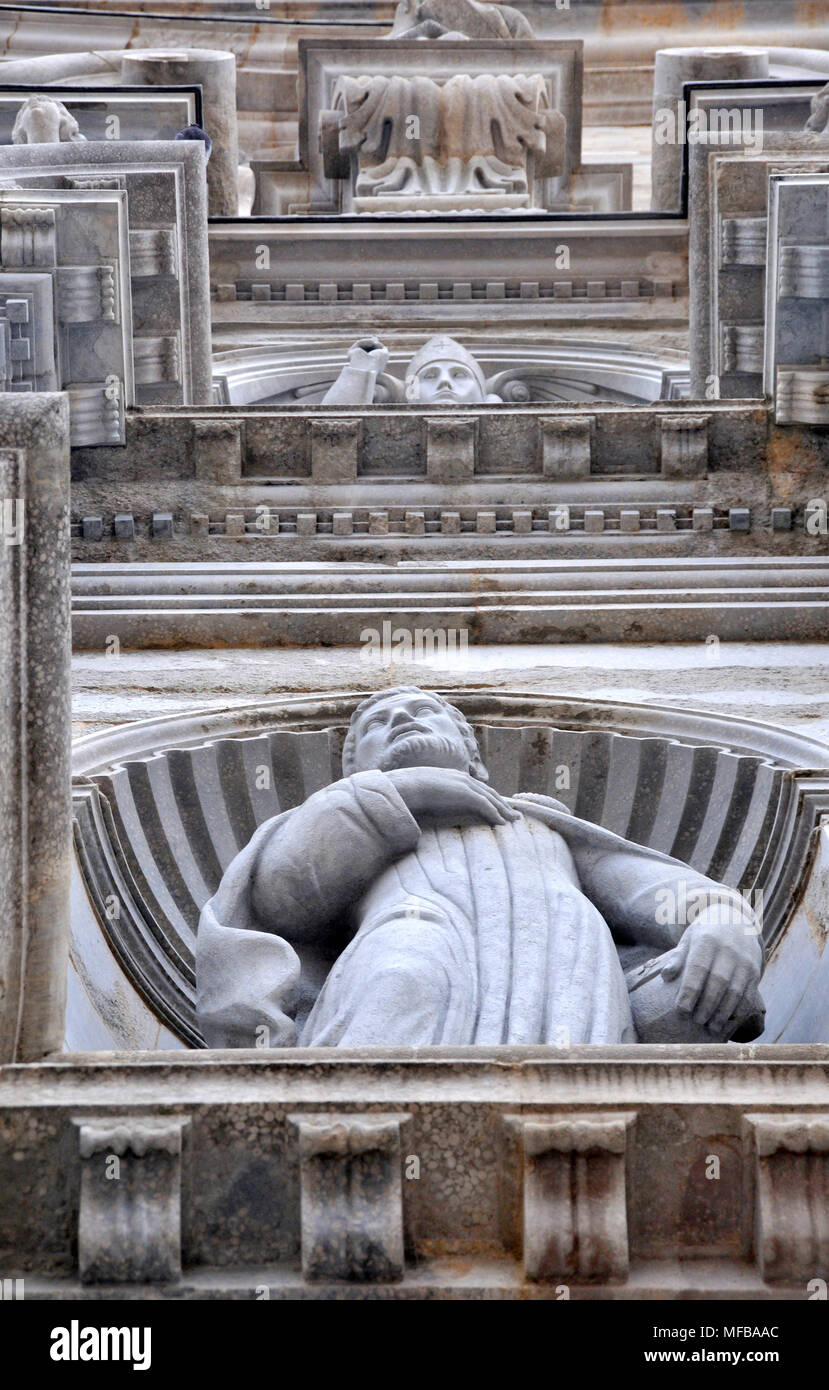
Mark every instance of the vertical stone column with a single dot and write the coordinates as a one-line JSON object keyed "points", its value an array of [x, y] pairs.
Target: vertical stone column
{"points": [[215, 71], [672, 68], [35, 730]]}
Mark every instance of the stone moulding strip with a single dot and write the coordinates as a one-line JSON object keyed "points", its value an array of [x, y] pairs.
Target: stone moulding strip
{"points": [[545, 600]]}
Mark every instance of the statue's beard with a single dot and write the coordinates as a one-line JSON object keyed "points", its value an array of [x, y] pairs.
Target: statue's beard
{"points": [[424, 750]]}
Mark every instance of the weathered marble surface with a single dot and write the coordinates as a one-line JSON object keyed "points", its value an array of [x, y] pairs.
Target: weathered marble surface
{"points": [[241, 1169], [427, 960], [43, 120], [166, 209], [35, 808]]}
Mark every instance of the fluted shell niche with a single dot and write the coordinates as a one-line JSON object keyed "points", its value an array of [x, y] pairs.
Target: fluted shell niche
{"points": [[162, 807]]}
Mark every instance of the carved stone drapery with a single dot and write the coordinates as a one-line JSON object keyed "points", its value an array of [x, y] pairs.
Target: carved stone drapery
{"points": [[416, 143]]}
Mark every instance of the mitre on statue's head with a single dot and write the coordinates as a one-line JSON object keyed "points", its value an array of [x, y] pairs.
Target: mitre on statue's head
{"points": [[443, 370]]}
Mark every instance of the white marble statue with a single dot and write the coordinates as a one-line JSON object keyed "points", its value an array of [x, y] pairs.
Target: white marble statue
{"points": [[442, 372], [819, 106], [410, 904], [457, 19], [44, 120]]}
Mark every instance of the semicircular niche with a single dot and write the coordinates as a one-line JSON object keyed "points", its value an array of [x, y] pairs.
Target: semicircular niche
{"points": [[162, 806], [566, 371]]}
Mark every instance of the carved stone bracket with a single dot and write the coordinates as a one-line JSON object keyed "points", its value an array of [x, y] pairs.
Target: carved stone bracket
{"points": [[563, 1199], [129, 1217], [157, 359], [28, 236], [566, 448], [802, 396], [351, 1196], [450, 448], [153, 252], [741, 347], [217, 450], [684, 445], [335, 450], [743, 241], [791, 1210]]}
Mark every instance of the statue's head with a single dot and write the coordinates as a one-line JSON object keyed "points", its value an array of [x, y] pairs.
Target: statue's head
{"points": [[442, 372], [410, 727]]}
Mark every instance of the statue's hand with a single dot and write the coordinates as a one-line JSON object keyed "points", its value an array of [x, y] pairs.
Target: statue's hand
{"points": [[720, 967], [369, 354], [442, 796]]}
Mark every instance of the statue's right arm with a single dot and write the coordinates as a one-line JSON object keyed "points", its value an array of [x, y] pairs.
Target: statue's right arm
{"points": [[323, 856]]}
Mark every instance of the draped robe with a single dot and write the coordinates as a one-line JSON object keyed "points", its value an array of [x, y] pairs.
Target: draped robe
{"points": [[473, 935]]}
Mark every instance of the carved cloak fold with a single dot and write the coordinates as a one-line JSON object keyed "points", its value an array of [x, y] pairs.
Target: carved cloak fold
{"points": [[479, 925]]}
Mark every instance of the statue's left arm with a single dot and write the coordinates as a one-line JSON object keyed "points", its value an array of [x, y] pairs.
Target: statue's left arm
{"points": [[704, 933], [708, 936]]}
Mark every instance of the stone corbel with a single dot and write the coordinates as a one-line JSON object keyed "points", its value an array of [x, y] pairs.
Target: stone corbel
{"points": [[153, 252], [28, 237], [791, 1179], [450, 448], [335, 449], [87, 293], [741, 347], [96, 412], [743, 241], [684, 445], [563, 1195], [217, 450], [351, 1198], [565, 445], [802, 396], [803, 272], [129, 1215]]}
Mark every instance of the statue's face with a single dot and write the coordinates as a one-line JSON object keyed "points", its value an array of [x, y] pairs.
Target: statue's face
{"points": [[412, 730], [448, 381]]}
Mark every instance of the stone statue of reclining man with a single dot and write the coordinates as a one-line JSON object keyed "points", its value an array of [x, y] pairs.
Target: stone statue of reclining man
{"points": [[411, 904]]}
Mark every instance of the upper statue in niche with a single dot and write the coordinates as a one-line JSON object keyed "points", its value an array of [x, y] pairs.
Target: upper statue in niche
{"points": [[457, 19], [442, 372], [410, 904]]}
